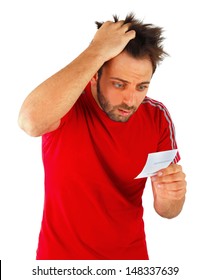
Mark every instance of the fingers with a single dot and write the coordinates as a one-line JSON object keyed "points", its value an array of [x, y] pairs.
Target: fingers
{"points": [[119, 25], [171, 186], [170, 177], [112, 38], [171, 169], [123, 29], [131, 34], [170, 182], [173, 173], [173, 191]]}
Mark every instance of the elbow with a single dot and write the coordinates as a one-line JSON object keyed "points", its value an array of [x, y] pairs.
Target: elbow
{"points": [[28, 125]]}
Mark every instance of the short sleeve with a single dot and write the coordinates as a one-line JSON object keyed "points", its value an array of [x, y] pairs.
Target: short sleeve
{"points": [[167, 139]]}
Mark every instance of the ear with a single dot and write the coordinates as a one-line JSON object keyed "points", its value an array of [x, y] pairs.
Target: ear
{"points": [[94, 79]]}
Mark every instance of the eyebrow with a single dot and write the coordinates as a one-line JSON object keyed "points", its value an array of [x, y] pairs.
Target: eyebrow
{"points": [[124, 81]]}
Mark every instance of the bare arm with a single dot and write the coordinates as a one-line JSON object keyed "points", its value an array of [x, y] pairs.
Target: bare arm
{"points": [[44, 107], [169, 188]]}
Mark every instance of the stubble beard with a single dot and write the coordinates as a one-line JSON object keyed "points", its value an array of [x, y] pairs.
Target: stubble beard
{"points": [[110, 110]]}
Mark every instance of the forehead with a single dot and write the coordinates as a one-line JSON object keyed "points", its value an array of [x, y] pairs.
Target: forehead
{"points": [[126, 66]]}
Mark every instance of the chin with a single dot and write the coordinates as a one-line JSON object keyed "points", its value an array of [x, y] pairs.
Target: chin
{"points": [[118, 118]]}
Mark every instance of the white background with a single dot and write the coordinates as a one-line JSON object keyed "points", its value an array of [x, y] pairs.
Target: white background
{"points": [[40, 37]]}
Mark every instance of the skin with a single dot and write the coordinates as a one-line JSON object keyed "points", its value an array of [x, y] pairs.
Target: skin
{"points": [[122, 90]]}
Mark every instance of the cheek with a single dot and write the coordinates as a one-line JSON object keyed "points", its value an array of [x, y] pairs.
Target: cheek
{"points": [[113, 97]]}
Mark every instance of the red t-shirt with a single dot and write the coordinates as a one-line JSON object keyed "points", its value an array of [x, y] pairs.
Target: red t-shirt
{"points": [[93, 205]]}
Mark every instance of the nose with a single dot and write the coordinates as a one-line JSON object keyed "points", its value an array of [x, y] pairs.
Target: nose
{"points": [[128, 98]]}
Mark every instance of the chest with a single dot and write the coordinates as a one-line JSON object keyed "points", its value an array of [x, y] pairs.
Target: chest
{"points": [[119, 152]]}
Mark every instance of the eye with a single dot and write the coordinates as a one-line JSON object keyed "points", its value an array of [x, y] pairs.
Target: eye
{"points": [[118, 85], [142, 87]]}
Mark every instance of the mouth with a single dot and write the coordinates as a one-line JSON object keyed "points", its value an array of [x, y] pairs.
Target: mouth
{"points": [[125, 112]]}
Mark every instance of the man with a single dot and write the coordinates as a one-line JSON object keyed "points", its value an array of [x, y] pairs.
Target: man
{"points": [[97, 128]]}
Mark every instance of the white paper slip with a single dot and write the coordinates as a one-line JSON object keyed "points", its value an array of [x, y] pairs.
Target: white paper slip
{"points": [[156, 162]]}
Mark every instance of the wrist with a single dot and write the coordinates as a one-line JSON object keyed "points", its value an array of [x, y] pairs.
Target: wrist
{"points": [[98, 53]]}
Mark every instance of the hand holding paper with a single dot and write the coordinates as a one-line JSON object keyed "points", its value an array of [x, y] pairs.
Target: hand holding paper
{"points": [[169, 187], [157, 161]]}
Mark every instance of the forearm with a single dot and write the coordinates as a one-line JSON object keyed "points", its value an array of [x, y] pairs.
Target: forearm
{"points": [[52, 99]]}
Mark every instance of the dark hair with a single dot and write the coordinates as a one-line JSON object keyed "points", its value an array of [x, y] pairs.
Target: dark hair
{"points": [[148, 40]]}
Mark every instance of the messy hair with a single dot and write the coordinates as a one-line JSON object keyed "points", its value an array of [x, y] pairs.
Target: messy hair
{"points": [[148, 40]]}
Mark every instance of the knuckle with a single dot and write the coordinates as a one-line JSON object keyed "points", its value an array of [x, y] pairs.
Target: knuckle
{"points": [[182, 188], [179, 167], [177, 195], [120, 22], [107, 24], [175, 167]]}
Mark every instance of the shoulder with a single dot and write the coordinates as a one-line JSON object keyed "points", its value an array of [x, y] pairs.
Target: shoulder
{"points": [[154, 104], [158, 114], [156, 108]]}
